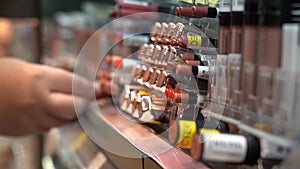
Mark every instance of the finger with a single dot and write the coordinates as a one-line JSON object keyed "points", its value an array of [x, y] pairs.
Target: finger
{"points": [[108, 87], [52, 121], [62, 81], [64, 106]]}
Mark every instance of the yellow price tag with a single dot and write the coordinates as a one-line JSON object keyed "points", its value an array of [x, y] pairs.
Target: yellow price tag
{"points": [[263, 127], [144, 93], [194, 40], [213, 3], [209, 131], [79, 142], [187, 130]]}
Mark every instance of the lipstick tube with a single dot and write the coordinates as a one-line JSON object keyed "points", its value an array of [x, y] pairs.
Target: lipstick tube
{"points": [[197, 12], [137, 5], [122, 12], [249, 62], [204, 59], [197, 71], [269, 53], [235, 57], [188, 98], [223, 51]]}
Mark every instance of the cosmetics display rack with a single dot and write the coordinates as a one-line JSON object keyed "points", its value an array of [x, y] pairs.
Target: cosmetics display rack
{"points": [[212, 89]]}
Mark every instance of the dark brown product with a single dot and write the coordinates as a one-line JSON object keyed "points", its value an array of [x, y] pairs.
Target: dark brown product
{"points": [[200, 11], [249, 44], [269, 50], [202, 85], [161, 80], [269, 46], [197, 12], [147, 74], [154, 76], [249, 62], [269, 43], [224, 39], [236, 39], [137, 72], [224, 29], [184, 11]]}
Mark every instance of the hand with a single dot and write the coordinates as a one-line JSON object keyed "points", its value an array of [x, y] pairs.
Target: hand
{"points": [[35, 98]]}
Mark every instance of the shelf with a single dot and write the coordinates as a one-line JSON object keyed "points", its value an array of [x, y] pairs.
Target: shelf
{"points": [[137, 135]]}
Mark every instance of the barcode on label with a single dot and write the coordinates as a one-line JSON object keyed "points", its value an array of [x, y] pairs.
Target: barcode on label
{"points": [[225, 5], [238, 5]]}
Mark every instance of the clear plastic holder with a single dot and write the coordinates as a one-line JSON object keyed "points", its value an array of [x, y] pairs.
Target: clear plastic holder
{"points": [[142, 52], [250, 100], [284, 96], [222, 78], [234, 78], [212, 79], [296, 110], [209, 26], [286, 107], [265, 85]]}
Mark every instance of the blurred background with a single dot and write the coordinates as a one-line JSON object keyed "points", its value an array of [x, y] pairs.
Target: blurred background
{"points": [[49, 32]]}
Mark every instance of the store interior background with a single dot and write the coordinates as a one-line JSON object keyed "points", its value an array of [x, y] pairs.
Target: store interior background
{"points": [[53, 43]]}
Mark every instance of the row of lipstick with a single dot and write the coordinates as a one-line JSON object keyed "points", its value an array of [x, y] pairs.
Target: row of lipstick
{"points": [[138, 104], [157, 79], [179, 35], [168, 57], [128, 8]]}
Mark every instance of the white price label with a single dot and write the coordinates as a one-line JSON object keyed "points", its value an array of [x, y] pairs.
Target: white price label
{"points": [[238, 5], [225, 5], [224, 148]]}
